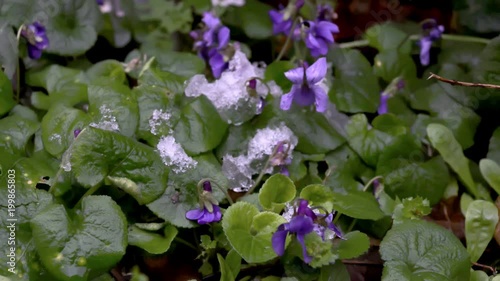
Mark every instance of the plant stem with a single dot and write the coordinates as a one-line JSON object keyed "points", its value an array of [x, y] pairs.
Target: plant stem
{"points": [[18, 70], [263, 171], [351, 226], [461, 83], [200, 183], [370, 182], [182, 241], [414, 37], [88, 193], [287, 42]]}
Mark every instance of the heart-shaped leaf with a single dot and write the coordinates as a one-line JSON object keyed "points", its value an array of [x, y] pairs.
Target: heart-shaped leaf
{"points": [[152, 243], [250, 232], [480, 222], [276, 191], [425, 251], [71, 245], [97, 154], [16, 132], [355, 244]]}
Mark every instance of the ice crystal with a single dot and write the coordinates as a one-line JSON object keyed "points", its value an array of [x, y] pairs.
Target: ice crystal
{"points": [[108, 121], [174, 156], [158, 119], [55, 137]]}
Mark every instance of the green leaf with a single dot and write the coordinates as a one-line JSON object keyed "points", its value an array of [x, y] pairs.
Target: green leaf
{"points": [[390, 64], [316, 135], [172, 16], [358, 205], [411, 208], [151, 75], [54, 77], [478, 275], [387, 37], [16, 132], [230, 267], [68, 94], [368, 143], [356, 89], [151, 242], [318, 195], [58, 127], [406, 173], [125, 159], [72, 31], [9, 51], [334, 272], [442, 139], [275, 192], [491, 173], [355, 244], [113, 107], [71, 245], [200, 127], [245, 17], [179, 63], [276, 72], [421, 250], [346, 168], [181, 194], [6, 94], [480, 222], [494, 146], [461, 120], [111, 70], [487, 71], [464, 53], [320, 250], [250, 232]]}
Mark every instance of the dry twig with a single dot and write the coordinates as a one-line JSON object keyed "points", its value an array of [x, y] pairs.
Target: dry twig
{"points": [[461, 83]]}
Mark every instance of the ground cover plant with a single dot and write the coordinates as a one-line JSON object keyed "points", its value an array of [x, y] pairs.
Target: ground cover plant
{"points": [[237, 140]]}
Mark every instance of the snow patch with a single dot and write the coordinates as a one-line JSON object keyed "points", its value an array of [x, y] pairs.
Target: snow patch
{"points": [[174, 156], [55, 137], [108, 121], [158, 119]]}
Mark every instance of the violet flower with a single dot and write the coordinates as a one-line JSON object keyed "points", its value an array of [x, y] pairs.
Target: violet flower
{"points": [[209, 211], [282, 19], [211, 41], [383, 108], [305, 90], [300, 225], [324, 222], [37, 39], [432, 32], [76, 132], [325, 13], [319, 36]]}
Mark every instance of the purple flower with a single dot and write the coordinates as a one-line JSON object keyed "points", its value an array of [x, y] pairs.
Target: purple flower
{"points": [[76, 132], [282, 18], [325, 13], [37, 39], [209, 211], [100, 2], [432, 32], [210, 43], [300, 225], [305, 90], [382, 108], [325, 222], [319, 36]]}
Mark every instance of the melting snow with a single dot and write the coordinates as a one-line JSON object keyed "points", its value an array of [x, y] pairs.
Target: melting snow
{"points": [[174, 156], [239, 169], [225, 3], [55, 137], [229, 94], [158, 119], [108, 121]]}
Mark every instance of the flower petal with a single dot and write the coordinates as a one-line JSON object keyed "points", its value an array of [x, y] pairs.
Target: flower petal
{"points": [[382, 108], [286, 100], [307, 257], [194, 214], [425, 47], [304, 97], [325, 30], [207, 218], [278, 241], [301, 224], [295, 75], [321, 98], [217, 64], [316, 72], [34, 52], [223, 37], [210, 20]]}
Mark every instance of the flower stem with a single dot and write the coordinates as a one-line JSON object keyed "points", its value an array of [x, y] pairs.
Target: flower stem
{"points": [[182, 241], [89, 192], [370, 183], [18, 70], [263, 172], [287, 42], [200, 183]]}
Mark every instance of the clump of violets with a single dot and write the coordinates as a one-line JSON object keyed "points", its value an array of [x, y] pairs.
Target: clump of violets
{"points": [[432, 32], [397, 84], [306, 89], [211, 42], [37, 39], [283, 19], [303, 221], [209, 210]]}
